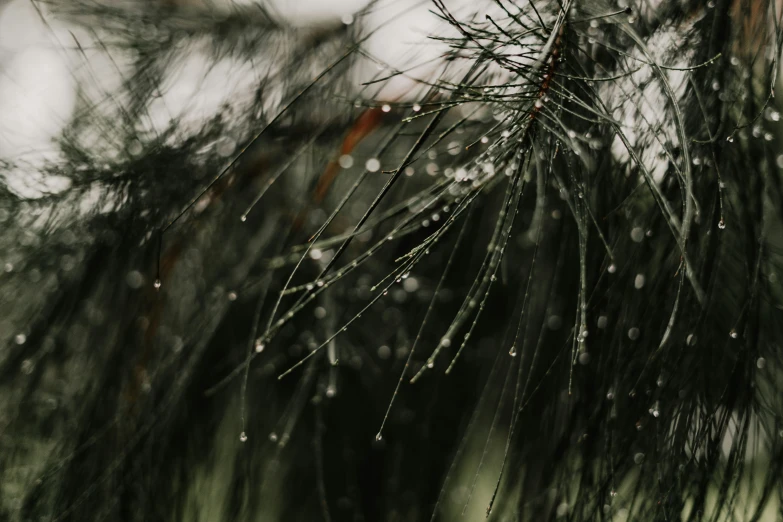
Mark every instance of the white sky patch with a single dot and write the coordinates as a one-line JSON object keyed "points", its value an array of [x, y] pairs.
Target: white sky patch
{"points": [[197, 88], [401, 41], [37, 100], [646, 116]]}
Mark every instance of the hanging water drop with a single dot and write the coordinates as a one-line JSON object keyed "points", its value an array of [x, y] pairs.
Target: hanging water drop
{"points": [[157, 284], [242, 437], [638, 458]]}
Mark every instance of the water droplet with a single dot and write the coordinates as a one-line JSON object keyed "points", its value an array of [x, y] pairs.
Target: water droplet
{"points": [[157, 284], [386, 107], [730, 139], [27, 366], [584, 358], [134, 279], [416, 107], [638, 458], [243, 218], [347, 19], [513, 351], [232, 296], [637, 234], [430, 364], [373, 165], [378, 437], [633, 333], [761, 363], [611, 268], [242, 437], [331, 391], [639, 281], [260, 345], [273, 437], [733, 333], [721, 224], [345, 161], [445, 342]]}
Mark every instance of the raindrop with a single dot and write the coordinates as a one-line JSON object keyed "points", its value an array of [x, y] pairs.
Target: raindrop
{"points": [[373, 165], [733, 333], [27, 367], [242, 437], [637, 234], [157, 284], [638, 282], [345, 161], [378, 437], [20, 338], [761, 363], [134, 279], [259, 346], [612, 268], [638, 458], [633, 333]]}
